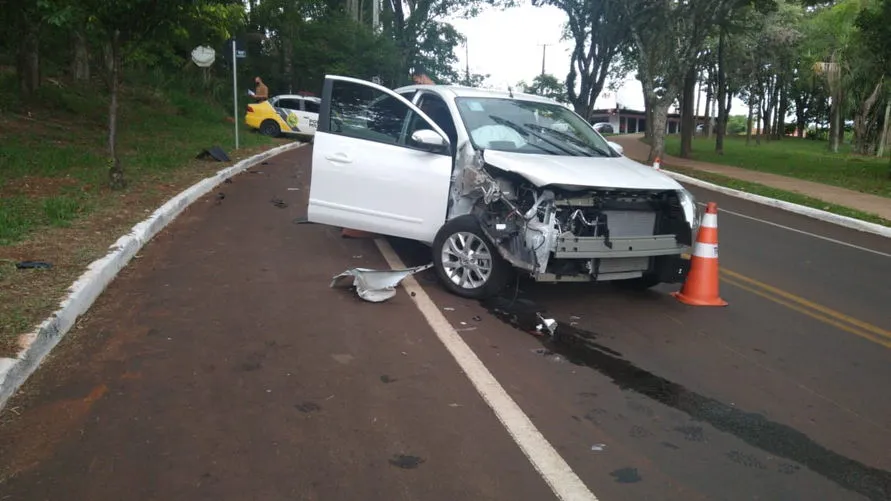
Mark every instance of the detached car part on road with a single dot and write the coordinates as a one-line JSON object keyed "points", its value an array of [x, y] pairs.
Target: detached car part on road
{"points": [[495, 183]]}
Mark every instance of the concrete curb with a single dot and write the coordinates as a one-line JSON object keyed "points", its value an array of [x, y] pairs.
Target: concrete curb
{"points": [[36, 345], [822, 215]]}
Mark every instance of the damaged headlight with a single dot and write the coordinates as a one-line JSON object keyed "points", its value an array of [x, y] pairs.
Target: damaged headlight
{"points": [[691, 210]]}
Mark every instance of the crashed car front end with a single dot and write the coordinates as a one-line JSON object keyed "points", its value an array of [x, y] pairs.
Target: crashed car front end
{"points": [[571, 233]]}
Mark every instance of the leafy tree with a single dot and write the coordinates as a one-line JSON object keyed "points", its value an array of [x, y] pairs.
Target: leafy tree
{"points": [[547, 86], [599, 31]]}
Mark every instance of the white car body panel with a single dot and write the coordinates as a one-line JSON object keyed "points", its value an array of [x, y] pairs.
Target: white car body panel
{"points": [[592, 172], [377, 187]]}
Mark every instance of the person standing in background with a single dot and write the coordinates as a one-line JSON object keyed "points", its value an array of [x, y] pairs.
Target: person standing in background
{"points": [[419, 76], [262, 92]]}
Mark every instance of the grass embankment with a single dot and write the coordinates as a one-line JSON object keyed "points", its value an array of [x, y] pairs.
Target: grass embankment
{"points": [[54, 202], [767, 191], [798, 158]]}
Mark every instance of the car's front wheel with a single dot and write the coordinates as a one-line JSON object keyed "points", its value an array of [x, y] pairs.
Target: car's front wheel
{"points": [[466, 262]]}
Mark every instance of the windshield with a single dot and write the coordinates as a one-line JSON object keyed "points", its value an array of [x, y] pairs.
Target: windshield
{"points": [[529, 127]]}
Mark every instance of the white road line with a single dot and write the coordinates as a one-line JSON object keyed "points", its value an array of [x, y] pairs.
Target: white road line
{"points": [[550, 465], [821, 237]]}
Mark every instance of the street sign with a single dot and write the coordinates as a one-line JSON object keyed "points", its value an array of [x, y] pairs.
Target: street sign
{"points": [[241, 54]]}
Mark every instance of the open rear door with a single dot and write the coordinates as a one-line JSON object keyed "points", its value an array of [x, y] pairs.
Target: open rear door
{"points": [[367, 172]]}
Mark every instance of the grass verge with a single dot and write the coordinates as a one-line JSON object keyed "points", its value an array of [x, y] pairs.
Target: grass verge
{"points": [[786, 196], [798, 158], [54, 203]]}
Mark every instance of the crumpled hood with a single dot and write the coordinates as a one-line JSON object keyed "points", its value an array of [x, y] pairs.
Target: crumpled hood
{"points": [[594, 172]]}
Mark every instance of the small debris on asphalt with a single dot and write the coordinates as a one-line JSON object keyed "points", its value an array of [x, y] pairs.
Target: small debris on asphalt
{"points": [[293, 189], [358, 256], [598, 447], [406, 462], [264, 163], [448, 309], [228, 180], [221, 195], [477, 318], [465, 329], [463, 323], [34, 265], [301, 220], [412, 293], [454, 405], [278, 203], [546, 324], [573, 317]]}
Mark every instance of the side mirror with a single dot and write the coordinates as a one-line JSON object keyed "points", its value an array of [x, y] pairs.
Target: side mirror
{"points": [[617, 147], [429, 139]]}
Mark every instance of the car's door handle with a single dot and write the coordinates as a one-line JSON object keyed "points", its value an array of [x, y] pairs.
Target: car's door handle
{"points": [[342, 158]]}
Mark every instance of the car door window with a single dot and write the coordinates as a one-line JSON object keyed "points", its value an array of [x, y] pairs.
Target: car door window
{"points": [[434, 107], [363, 112], [288, 104], [311, 106]]}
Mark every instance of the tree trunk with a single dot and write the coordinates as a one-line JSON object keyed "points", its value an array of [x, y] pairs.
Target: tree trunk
{"points": [[28, 60], [688, 115], [648, 111], [660, 120], [115, 172], [80, 65], [886, 126], [722, 95], [781, 112], [707, 127], [758, 126], [749, 122], [698, 91], [864, 123]]}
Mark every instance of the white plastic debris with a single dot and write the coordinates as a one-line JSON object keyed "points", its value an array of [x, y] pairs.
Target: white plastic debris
{"points": [[598, 447], [546, 324], [375, 285]]}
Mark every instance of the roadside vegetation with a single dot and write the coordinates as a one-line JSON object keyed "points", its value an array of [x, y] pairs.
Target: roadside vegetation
{"points": [[786, 196], [800, 158]]}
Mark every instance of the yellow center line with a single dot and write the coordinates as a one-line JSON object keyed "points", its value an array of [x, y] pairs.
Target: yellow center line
{"points": [[809, 308]]}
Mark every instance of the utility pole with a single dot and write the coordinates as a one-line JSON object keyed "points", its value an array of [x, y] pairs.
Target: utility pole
{"points": [[375, 14], [544, 47], [467, 64]]}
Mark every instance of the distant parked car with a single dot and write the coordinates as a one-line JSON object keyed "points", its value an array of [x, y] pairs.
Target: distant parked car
{"points": [[284, 114], [604, 128]]}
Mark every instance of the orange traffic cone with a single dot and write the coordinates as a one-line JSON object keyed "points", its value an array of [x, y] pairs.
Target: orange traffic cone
{"points": [[701, 286], [657, 164], [350, 233]]}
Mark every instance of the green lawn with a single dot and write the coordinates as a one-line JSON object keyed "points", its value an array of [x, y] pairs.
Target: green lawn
{"points": [[798, 158], [55, 205]]}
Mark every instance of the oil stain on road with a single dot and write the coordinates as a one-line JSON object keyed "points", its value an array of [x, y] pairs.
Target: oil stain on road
{"points": [[581, 348]]}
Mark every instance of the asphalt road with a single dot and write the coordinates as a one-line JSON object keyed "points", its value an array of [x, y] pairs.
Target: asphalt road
{"points": [[220, 365]]}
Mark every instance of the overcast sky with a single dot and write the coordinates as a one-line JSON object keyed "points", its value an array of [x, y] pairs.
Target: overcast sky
{"points": [[507, 45]]}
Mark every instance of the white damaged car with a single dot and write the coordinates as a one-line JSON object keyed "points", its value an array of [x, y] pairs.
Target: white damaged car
{"points": [[496, 183]]}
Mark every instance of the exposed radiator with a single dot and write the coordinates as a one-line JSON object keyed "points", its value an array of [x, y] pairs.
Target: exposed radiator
{"points": [[631, 223]]}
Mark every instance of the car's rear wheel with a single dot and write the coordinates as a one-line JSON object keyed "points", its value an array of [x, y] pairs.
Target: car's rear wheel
{"points": [[270, 128], [466, 262]]}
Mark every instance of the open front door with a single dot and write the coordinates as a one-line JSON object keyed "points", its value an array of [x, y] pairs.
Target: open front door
{"points": [[368, 173]]}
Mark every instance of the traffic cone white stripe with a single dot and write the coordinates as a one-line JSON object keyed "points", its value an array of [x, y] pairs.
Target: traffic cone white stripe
{"points": [[707, 251], [709, 221]]}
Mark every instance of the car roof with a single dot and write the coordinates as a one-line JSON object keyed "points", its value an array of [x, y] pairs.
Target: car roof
{"points": [[297, 96], [461, 91]]}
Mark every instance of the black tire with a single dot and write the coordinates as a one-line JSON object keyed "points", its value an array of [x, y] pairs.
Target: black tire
{"points": [[270, 128], [638, 284], [500, 272]]}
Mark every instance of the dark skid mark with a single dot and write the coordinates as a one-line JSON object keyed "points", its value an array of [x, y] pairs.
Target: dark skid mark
{"points": [[669, 445], [307, 407], [578, 347], [747, 460], [626, 475], [406, 462], [691, 433], [387, 379]]}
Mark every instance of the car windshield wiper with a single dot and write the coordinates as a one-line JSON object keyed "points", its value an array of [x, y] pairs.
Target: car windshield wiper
{"points": [[568, 138], [525, 131]]}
